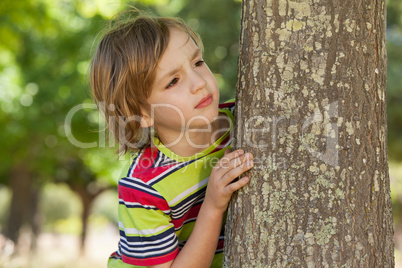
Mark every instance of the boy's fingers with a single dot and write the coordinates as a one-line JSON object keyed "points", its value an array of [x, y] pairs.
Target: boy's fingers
{"points": [[228, 164], [229, 154], [233, 165], [236, 172], [234, 186], [228, 157]]}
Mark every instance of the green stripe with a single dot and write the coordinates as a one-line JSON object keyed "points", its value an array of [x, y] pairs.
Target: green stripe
{"points": [[147, 219], [181, 180]]}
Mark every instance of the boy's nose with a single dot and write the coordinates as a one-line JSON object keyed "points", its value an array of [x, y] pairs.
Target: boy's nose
{"points": [[198, 82]]}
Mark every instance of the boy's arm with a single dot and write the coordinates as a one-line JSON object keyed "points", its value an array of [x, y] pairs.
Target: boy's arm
{"points": [[201, 245]]}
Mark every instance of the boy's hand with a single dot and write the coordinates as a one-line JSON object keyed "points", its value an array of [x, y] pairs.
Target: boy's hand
{"points": [[221, 186]]}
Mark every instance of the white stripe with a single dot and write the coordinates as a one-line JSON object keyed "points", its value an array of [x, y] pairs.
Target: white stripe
{"points": [[149, 248], [169, 237], [126, 203], [135, 164], [135, 204], [165, 172], [183, 209], [169, 249], [127, 181], [186, 221], [188, 191], [168, 162], [134, 231], [160, 158]]}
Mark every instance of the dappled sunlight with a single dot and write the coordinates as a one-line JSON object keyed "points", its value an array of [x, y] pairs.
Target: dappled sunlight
{"points": [[62, 250], [395, 172]]}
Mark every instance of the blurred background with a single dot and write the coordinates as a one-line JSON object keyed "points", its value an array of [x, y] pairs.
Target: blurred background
{"points": [[58, 194]]}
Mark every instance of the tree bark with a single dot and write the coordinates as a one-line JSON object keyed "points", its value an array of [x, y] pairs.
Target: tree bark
{"points": [[311, 107]]}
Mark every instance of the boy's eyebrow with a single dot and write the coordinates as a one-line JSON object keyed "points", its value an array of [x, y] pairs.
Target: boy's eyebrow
{"points": [[196, 53]]}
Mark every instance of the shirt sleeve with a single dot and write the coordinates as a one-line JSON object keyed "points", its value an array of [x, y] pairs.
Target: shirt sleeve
{"points": [[147, 236]]}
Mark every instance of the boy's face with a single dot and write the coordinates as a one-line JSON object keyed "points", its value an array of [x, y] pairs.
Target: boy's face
{"points": [[185, 94]]}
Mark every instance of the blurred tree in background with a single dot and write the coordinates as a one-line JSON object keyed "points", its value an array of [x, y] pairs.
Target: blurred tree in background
{"points": [[394, 38], [45, 49], [394, 111]]}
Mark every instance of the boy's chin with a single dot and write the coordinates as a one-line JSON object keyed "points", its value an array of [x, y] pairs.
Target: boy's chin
{"points": [[203, 124]]}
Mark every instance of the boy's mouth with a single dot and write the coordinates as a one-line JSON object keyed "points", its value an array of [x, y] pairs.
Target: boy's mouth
{"points": [[204, 102]]}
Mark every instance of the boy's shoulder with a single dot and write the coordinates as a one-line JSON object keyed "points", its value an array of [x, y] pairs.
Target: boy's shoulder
{"points": [[148, 164]]}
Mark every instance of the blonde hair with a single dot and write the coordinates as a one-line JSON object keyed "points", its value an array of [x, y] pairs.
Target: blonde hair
{"points": [[123, 69]]}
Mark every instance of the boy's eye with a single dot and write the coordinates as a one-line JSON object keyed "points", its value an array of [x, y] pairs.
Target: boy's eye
{"points": [[199, 63], [172, 83]]}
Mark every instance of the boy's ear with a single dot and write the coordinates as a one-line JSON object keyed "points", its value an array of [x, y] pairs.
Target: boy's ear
{"points": [[146, 121]]}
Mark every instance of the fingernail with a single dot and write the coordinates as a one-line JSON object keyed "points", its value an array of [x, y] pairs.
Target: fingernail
{"points": [[239, 153], [250, 163]]}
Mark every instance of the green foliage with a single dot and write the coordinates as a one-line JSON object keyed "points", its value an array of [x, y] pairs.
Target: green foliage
{"points": [[48, 45], [394, 92], [394, 13]]}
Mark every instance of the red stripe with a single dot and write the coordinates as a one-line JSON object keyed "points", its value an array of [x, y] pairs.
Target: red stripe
{"points": [[226, 105], [143, 168], [152, 260], [220, 244], [115, 255], [150, 173], [132, 195], [146, 160], [192, 213]]}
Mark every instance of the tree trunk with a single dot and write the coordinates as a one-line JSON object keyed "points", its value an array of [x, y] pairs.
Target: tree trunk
{"points": [[311, 107], [23, 206], [87, 199], [87, 196]]}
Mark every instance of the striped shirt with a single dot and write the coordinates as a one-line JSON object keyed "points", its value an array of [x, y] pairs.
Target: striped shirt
{"points": [[159, 201]]}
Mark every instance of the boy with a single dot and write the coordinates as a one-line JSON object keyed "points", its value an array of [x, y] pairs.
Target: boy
{"points": [[149, 73]]}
